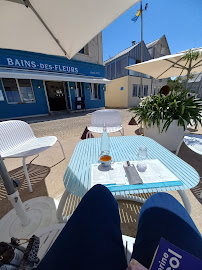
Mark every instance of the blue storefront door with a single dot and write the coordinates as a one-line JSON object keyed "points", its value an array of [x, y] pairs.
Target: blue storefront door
{"points": [[56, 95]]}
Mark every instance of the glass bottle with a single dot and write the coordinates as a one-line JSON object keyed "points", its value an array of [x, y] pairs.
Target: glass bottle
{"points": [[105, 143]]}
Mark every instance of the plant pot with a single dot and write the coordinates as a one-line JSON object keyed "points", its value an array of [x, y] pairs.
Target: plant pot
{"points": [[170, 139]]}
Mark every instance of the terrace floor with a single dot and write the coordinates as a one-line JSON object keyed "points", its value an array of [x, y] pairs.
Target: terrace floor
{"points": [[46, 172]]}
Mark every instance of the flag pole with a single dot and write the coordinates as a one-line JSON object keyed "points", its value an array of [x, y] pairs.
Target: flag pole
{"points": [[141, 53]]}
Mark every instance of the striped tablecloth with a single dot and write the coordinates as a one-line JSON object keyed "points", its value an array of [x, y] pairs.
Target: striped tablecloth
{"points": [[77, 178]]}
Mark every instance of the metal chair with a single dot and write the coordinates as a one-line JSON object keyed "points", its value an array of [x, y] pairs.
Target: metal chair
{"points": [[111, 119], [194, 142], [17, 140]]}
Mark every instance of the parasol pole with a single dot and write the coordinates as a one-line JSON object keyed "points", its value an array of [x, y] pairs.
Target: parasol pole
{"points": [[13, 195], [188, 73]]}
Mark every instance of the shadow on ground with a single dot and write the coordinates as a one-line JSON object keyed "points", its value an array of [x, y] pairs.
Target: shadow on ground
{"points": [[63, 115], [129, 214], [37, 176]]}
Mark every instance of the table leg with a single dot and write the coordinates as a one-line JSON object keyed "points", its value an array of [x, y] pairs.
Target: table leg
{"points": [[141, 200], [129, 198], [185, 200], [61, 205]]}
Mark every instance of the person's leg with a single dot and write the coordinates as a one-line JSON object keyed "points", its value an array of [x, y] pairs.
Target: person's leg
{"points": [[163, 216], [92, 237]]}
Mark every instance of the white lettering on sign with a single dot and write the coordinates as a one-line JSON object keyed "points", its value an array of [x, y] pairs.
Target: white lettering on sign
{"points": [[174, 261], [10, 62], [45, 66], [33, 64]]}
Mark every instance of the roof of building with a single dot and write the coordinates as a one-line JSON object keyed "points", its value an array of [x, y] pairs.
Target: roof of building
{"points": [[196, 78], [121, 53], [151, 44]]}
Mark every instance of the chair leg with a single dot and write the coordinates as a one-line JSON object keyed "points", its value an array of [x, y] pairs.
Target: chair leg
{"points": [[62, 149], [88, 135], [178, 148], [122, 133], [26, 174]]}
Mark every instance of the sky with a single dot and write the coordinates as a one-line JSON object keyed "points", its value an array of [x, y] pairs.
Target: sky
{"points": [[179, 20]]}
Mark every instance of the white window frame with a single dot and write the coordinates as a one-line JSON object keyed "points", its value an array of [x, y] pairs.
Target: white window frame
{"points": [[18, 87], [77, 90], [92, 89]]}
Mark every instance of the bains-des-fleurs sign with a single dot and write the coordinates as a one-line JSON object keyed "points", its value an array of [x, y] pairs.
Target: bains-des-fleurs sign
{"points": [[34, 61], [25, 63]]}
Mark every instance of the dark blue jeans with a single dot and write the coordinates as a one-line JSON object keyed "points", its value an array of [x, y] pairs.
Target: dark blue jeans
{"points": [[92, 238]]}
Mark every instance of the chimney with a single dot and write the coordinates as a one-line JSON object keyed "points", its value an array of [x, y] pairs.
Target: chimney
{"points": [[133, 42]]}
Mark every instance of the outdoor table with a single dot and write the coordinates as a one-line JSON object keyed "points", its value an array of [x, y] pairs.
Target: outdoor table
{"points": [[77, 178]]}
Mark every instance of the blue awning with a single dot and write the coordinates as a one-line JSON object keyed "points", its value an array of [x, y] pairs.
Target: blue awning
{"points": [[49, 76]]}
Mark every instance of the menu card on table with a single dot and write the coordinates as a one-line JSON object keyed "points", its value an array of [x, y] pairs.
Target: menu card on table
{"points": [[114, 176]]}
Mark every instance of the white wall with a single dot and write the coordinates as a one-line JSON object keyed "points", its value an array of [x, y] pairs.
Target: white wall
{"points": [[114, 96], [95, 52], [133, 101]]}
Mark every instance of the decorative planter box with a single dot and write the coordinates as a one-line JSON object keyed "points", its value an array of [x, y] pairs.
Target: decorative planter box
{"points": [[170, 139]]}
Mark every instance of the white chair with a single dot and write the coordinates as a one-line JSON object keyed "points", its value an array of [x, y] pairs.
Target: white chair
{"points": [[194, 142], [111, 119], [17, 140]]}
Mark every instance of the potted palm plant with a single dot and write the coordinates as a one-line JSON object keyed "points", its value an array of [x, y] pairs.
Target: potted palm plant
{"points": [[165, 118]]}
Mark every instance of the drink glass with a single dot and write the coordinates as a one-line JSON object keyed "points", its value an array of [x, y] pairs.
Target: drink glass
{"points": [[105, 160], [142, 152]]}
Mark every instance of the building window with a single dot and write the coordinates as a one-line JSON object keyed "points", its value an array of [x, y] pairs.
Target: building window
{"points": [[135, 90], [94, 91], [1, 96], [18, 91], [145, 90], [84, 50], [26, 90], [78, 89]]}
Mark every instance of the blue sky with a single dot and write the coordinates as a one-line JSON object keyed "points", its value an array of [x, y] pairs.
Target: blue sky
{"points": [[179, 20]]}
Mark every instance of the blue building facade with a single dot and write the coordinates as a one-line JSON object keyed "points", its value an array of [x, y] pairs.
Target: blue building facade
{"points": [[37, 84]]}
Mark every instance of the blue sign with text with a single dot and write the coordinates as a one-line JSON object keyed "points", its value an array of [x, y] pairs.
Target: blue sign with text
{"points": [[170, 257], [42, 62]]}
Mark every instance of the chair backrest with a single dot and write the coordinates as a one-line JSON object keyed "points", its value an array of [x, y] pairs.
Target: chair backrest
{"points": [[109, 118], [14, 133]]}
